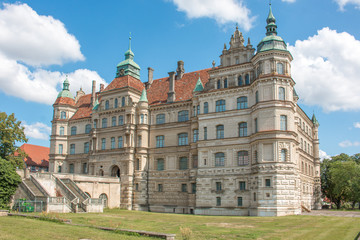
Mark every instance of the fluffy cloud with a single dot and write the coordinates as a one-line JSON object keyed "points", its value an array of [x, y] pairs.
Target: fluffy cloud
{"points": [[37, 130], [326, 69], [357, 125], [28, 39], [225, 11], [342, 3], [348, 143], [323, 155]]}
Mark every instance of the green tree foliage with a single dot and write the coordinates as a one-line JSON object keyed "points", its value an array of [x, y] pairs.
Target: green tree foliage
{"points": [[9, 180], [11, 132]]}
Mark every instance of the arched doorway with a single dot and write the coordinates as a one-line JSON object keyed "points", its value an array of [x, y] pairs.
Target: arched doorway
{"points": [[101, 172], [105, 199], [88, 194], [115, 171]]}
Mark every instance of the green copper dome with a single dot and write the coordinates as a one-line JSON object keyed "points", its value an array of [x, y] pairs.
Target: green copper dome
{"points": [[199, 87], [143, 97], [128, 66], [65, 92]]}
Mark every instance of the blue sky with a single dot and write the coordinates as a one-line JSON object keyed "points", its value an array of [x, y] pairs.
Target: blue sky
{"points": [[42, 41]]}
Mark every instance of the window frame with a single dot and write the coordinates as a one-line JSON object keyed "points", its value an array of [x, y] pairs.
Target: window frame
{"points": [[243, 158], [206, 107], [220, 105], [242, 102], [160, 118], [183, 139], [160, 164], [183, 163], [220, 129], [219, 159], [73, 130], [243, 129], [160, 140], [104, 123], [183, 116]]}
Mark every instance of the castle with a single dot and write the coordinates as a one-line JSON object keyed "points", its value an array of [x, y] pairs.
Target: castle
{"points": [[228, 140]]}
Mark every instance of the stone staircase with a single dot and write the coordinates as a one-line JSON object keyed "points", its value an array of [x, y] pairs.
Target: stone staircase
{"points": [[33, 188]]}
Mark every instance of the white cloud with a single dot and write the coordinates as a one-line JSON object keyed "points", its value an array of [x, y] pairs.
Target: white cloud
{"points": [[34, 39], [326, 69], [357, 124], [323, 155], [224, 11], [348, 143], [28, 39], [37, 130], [342, 3]]}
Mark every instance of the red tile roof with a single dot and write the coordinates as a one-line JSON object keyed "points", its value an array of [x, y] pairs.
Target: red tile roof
{"points": [[157, 93], [37, 155], [65, 100], [84, 107], [125, 81]]}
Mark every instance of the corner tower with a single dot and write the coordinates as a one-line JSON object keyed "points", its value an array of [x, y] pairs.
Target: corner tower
{"points": [[128, 66]]}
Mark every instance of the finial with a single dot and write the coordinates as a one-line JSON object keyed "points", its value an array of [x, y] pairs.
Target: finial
{"points": [[249, 41], [130, 41], [213, 64], [237, 27], [224, 46], [270, 2]]}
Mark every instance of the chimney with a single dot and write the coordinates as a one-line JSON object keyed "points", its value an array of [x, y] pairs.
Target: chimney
{"points": [[171, 93], [101, 87], [150, 77], [180, 70], [93, 90]]}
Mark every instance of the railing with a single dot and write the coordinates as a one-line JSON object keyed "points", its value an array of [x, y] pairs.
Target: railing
{"points": [[95, 201], [69, 194], [67, 180], [27, 190], [38, 185], [56, 200]]}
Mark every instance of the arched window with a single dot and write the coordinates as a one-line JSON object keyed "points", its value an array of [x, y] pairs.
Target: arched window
{"points": [[281, 93], [62, 130], [87, 128], [183, 139], [183, 163], [104, 198], [243, 129], [123, 101], [247, 79], [280, 68], [242, 103], [106, 104], [243, 158], [115, 171], [220, 131], [183, 116], [225, 83], [219, 159], [160, 119], [218, 84], [104, 123], [73, 130], [63, 115], [116, 103], [256, 96], [240, 81], [283, 155], [220, 106], [160, 164], [206, 107]]}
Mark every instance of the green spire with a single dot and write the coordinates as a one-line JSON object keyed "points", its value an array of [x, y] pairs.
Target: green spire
{"points": [[199, 87], [315, 121], [128, 66], [65, 91], [143, 97], [271, 24], [96, 104]]}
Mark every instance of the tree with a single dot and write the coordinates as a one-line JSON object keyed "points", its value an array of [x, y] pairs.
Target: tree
{"points": [[9, 181], [11, 132]]}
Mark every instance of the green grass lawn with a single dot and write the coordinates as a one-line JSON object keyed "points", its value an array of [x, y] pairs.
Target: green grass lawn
{"points": [[202, 227]]}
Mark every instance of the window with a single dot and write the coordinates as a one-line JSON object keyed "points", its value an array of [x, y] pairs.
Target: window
{"points": [[194, 111], [205, 133], [61, 148], [123, 101], [183, 163], [160, 164], [195, 135], [106, 104], [142, 117], [240, 82], [104, 123], [280, 68], [72, 148], [243, 158], [256, 125], [137, 164], [183, 116], [254, 197], [242, 103], [302, 144], [62, 131], [160, 188], [139, 141], [198, 109], [121, 120], [195, 161], [218, 84], [184, 187], [86, 147], [219, 159], [283, 155], [63, 115], [95, 124], [243, 129], [59, 169], [256, 97], [84, 168], [87, 128], [115, 103], [240, 202], [73, 130], [218, 201], [112, 143], [281, 93], [267, 182], [120, 142], [160, 141], [242, 185], [113, 121], [283, 122], [136, 187], [218, 186], [183, 139], [256, 156], [225, 83], [247, 79], [71, 168], [193, 188], [220, 106], [160, 119], [103, 143], [206, 107], [220, 131]]}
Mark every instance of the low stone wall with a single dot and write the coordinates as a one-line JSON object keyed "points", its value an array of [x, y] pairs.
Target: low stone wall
{"points": [[3, 213]]}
